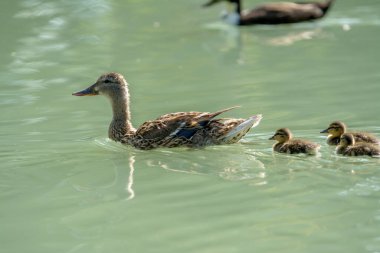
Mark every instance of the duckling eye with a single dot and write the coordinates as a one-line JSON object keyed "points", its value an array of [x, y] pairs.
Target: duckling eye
{"points": [[107, 81]]}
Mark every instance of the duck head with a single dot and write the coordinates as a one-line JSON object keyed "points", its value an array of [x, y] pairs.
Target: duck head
{"points": [[347, 140], [336, 128], [110, 85], [114, 87], [282, 135]]}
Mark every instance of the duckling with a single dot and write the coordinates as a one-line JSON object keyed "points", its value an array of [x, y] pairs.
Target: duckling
{"points": [[189, 129], [286, 143], [337, 128], [348, 147], [274, 13]]}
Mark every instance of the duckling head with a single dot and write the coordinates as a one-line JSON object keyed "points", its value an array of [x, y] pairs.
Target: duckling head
{"points": [[110, 85], [282, 135], [347, 140], [335, 129]]}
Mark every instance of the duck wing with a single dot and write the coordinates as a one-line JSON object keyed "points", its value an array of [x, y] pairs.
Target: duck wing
{"points": [[176, 125], [365, 137]]}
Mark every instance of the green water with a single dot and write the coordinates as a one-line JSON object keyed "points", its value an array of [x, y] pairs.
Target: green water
{"points": [[64, 187]]}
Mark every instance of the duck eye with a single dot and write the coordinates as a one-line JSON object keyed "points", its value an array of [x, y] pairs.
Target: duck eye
{"points": [[107, 81]]}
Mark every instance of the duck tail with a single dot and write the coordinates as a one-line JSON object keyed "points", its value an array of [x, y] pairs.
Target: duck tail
{"points": [[240, 130], [208, 116], [213, 115]]}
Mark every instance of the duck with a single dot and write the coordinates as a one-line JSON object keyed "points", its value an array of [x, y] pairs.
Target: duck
{"points": [[286, 143], [348, 147], [337, 128], [273, 13], [187, 129]]}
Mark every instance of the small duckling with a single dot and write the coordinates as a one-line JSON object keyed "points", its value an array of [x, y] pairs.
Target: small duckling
{"points": [[348, 147], [285, 143], [337, 128]]}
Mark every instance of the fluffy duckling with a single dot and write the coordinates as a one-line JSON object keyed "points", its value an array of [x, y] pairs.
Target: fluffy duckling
{"points": [[274, 13], [337, 128], [348, 147], [286, 143], [188, 129]]}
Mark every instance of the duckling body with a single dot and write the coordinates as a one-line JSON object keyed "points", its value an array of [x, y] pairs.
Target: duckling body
{"points": [[286, 143], [337, 128], [189, 129], [348, 147], [275, 13]]}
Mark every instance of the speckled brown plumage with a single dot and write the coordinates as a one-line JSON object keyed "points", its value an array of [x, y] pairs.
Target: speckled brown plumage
{"points": [[348, 147], [189, 129], [286, 143], [337, 128], [279, 12]]}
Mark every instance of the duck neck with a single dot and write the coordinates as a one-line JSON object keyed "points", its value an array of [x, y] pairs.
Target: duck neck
{"points": [[233, 11], [121, 121], [238, 7]]}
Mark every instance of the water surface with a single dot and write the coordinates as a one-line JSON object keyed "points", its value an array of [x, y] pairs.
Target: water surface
{"points": [[65, 187]]}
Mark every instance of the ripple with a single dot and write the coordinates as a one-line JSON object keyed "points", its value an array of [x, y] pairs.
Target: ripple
{"points": [[366, 187], [36, 8]]}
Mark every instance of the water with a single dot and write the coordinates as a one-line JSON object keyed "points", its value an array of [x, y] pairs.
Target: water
{"points": [[66, 188]]}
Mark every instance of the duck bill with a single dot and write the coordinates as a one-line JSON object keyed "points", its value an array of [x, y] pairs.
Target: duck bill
{"points": [[90, 91], [271, 138], [211, 2], [324, 131]]}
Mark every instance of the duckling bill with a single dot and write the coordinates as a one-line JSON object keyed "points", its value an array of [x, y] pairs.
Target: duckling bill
{"points": [[274, 13], [348, 147], [337, 128], [188, 129], [286, 143]]}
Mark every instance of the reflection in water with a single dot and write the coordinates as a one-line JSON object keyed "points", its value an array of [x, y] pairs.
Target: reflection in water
{"points": [[232, 41], [235, 38], [238, 164], [119, 179], [130, 178], [292, 38], [247, 169]]}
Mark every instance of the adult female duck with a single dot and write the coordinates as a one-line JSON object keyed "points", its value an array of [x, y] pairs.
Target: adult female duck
{"points": [[189, 129], [274, 13]]}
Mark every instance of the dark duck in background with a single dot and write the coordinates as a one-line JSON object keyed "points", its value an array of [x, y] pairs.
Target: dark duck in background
{"points": [[273, 13]]}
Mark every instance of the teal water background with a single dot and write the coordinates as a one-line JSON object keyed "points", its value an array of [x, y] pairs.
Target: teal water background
{"points": [[65, 187]]}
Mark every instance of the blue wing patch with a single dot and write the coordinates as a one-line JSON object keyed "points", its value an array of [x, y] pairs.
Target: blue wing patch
{"points": [[189, 132]]}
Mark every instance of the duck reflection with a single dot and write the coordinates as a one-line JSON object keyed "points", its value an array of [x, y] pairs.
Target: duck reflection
{"points": [[129, 186], [235, 37], [240, 164], [294, 37]]}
